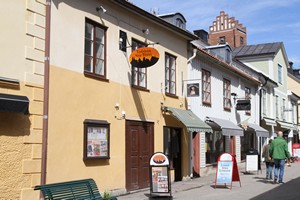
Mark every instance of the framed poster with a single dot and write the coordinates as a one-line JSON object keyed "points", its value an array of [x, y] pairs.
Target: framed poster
{"points": [[96, 139], [193, 90]]}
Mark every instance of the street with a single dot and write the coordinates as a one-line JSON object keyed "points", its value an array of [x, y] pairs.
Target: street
{"points": [[253, 187]]}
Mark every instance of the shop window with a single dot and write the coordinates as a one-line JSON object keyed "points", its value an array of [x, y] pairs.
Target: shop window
{"points": [[214, 146]]}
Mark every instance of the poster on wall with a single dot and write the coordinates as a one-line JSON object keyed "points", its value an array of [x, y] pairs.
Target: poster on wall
{"points": [[97, 142]]}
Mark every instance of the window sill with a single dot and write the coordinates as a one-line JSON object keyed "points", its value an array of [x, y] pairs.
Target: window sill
{"points": [[140, 88], [94, 76], [172, 95]]}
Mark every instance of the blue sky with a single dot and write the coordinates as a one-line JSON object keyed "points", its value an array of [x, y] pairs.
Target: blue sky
{"points": [[266, 20]]}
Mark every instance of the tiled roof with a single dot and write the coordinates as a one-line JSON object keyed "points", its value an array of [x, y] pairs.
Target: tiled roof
{"points": [[259, 49]]}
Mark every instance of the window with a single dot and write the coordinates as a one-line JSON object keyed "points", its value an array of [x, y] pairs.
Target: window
{"points": [[279, 74], [170, 74], [214, 146], [94, 50], [277, 106], [222, 40], [179, 23], [264, 102], [139, 75], [294, 112], [241, 41], [227, 94], [206, 87], [283, 110], [96, 139], [248, 97]]}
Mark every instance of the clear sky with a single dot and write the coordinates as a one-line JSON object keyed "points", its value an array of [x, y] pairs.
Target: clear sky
{"points": [[266, 21]]}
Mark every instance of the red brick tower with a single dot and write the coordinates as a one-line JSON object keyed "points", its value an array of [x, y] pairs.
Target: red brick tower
{"points": [[227, 30]]}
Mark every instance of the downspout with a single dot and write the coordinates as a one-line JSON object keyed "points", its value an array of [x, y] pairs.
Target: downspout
{"points": [[46, 93], [193, 56], [189, 132]]}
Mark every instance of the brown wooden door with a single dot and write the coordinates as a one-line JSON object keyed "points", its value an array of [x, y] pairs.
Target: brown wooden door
{"points": [[139, 149]]}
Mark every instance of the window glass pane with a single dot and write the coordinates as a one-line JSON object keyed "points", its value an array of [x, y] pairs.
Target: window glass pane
{"points": [[99, 35], [172, 88], [88, 63], [99, 69], [134, 76], [89, 31], [100, 51]]}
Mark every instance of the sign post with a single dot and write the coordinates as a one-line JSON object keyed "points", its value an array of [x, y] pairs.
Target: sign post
{"points": [[160, 183], [227, 170]]}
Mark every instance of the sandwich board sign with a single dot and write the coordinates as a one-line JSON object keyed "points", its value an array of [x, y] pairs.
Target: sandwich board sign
{"points": [[227, 170], [160, 182]]}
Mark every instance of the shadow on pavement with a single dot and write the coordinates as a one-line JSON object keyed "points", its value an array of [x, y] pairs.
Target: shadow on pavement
{"points": [[286, 191]]}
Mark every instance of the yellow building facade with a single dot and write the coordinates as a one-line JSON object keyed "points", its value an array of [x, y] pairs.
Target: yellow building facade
{"points": [[21, 90]]}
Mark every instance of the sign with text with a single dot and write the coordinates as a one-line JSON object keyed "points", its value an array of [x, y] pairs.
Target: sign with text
{"points": [[159, 174], [144, 57], [227, 170]]}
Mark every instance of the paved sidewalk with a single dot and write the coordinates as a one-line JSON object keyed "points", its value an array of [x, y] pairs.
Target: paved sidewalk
{"points": [[253, 186]]}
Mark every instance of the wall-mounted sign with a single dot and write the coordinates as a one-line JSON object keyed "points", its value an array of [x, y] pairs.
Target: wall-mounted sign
{"points": [[243, 104], [144, 57], [193, 90]]}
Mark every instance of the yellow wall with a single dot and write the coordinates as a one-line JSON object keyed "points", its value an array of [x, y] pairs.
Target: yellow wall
{"points": [[75, 98], [22, 60]]}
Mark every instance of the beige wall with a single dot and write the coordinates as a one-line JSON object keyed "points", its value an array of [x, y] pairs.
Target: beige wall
{"points": [[22, 60]]}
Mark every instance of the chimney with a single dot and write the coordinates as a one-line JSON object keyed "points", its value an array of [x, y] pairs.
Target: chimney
{"points": [[202, 34], [291, 64]]}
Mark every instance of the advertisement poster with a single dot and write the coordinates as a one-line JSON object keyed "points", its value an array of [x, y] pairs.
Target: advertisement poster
{"points": [[224, 173], [160, 179], [97, 142]]}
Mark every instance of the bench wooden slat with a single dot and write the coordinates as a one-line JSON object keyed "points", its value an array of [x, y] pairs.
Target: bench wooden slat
{"points": [[80, 190]]}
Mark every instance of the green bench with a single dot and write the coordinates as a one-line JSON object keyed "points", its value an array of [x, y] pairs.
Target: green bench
{"points": [[80, 190]]}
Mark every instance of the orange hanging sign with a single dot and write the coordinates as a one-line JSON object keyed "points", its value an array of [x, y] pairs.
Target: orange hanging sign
{"points": [[144, 57]]}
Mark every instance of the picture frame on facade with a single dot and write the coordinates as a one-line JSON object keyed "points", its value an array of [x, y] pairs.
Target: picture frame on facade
{"points": [[96, 139], [193, 90]]}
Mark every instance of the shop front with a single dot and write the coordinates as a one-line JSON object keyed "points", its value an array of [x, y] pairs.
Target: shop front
{"points": [[224, 138]]}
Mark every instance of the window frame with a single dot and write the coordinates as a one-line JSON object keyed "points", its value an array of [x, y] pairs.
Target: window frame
{"points": [[279, 71], [227, 94], [102, 125], [277, 106], [248, 97], [93, 73], [168, 80], [206, 81], [136, 72]]}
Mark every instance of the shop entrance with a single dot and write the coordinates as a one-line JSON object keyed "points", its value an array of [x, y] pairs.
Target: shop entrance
{"points": [[139, 149]]}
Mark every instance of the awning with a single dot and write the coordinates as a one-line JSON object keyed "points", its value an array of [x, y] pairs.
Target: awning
{"points": [[285, 125], [227, 127], [189, 119], [14, 103], [269, 121], [260, 132]]}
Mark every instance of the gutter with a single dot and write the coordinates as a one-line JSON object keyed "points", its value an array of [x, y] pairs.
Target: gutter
{"points": [[46, 93]]}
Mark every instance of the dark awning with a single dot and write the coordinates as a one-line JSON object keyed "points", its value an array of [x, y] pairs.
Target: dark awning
{"points": [[189, 119], [14, 103], [227, 127], [260, 132]]}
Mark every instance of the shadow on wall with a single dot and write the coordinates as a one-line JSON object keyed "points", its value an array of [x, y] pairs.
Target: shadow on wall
{"points": [[14, 124]]}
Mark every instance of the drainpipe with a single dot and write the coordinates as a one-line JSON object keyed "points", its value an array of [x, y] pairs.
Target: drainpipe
{"points": [[46, 93], [194, 55]]}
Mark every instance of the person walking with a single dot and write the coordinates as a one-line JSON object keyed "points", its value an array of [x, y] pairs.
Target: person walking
{"points": [[279, 152], [268, 160]]}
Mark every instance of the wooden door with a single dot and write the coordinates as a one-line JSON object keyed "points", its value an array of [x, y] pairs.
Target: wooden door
{"points": [[196, 154], [139, 149]]}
